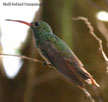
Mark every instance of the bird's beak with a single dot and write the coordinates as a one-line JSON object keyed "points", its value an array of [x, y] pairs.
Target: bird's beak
{"points": [[26, 23]]}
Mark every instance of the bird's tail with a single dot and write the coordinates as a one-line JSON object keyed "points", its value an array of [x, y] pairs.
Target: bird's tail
{"points": [[87, 76], [92, 81]]}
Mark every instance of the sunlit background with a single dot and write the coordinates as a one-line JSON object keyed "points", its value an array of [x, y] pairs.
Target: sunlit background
{"points": [[102, 15], [14, 34]]}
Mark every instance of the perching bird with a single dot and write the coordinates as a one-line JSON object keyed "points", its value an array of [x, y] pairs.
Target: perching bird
{"points": [[57, 53]]}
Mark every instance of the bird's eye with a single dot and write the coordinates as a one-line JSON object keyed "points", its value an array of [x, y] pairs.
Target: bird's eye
{"points": [[36, 24]]}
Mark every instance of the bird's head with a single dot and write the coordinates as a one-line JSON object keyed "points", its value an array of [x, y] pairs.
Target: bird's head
{"points": [[39, 27]]}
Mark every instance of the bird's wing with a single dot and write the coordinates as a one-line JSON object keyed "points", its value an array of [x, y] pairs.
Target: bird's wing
{"points": [[61, 65], [74, 64]]}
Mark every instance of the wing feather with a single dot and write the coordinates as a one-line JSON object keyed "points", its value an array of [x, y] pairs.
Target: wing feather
{"points": [[58, 61], [61, 56]]}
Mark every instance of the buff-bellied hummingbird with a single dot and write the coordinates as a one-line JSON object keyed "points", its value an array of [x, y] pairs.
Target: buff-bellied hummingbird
{"points": [[57, 53]]}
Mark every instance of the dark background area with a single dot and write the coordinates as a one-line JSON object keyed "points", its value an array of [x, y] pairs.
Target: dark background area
{"points": [[38, 83]]}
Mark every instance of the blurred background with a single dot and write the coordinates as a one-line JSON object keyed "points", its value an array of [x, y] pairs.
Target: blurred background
{"points": [[26, 81]]}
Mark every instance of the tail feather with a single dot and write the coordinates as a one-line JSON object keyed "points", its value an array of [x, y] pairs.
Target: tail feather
{"points": [[92, 81], [83, 73]]}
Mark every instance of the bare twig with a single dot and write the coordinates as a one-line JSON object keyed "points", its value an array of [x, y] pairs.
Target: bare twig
{"points": [[91, 31], [23, 57], [97, 94], [103, 29], [27, 58], [88, 95]]}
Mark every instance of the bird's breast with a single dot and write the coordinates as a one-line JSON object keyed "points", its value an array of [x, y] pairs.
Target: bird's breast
{"points": [[41, 54]]}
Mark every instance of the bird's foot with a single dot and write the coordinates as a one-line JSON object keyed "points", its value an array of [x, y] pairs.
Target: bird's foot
{"points": [[45, 63]]}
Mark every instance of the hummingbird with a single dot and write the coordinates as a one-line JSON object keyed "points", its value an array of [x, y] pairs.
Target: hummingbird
{"points": [[57, 53]]}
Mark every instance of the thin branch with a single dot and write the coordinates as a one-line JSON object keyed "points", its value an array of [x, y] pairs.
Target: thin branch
{"points": [[23, 57], [28, 58], [88, 95], [97, 94], [91, 31], [103, 29]]}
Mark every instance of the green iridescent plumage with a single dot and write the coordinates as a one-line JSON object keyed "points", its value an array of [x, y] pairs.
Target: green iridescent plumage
{"points": [[56, 52]]}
